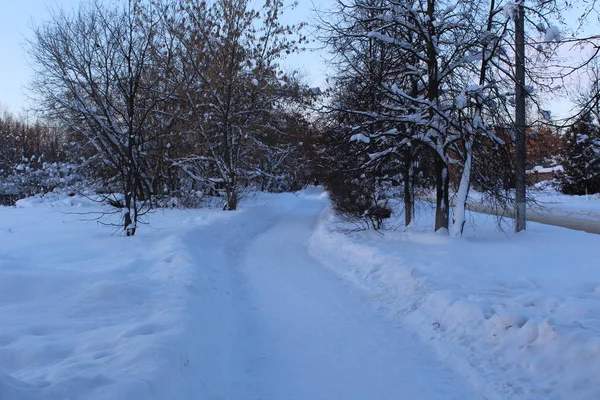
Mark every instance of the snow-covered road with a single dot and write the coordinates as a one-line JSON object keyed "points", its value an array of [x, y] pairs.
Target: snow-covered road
{"points": [[290, 329]]}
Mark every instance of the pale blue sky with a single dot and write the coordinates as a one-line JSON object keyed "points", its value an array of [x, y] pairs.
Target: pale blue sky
{"points": [[15, 21], [16, 17]]}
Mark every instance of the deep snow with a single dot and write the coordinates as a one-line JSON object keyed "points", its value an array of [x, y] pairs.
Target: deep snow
{"points": [[88, 315], [552, 202], [544, 199], [269, 302], [516, 314], [202, 304]]}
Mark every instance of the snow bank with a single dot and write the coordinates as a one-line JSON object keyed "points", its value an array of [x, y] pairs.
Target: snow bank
{"points": [[549, 200], [517, 314], [58, 200], [546, 170], [13, 389], [87, 315]]}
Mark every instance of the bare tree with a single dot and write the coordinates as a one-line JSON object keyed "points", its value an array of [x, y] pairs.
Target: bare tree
{"points": [[450, 84], [98, 73], [430, 43], [230, 54]]}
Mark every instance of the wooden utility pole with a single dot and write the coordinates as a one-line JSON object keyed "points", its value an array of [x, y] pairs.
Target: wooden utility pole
{"points": [[520, 93]]}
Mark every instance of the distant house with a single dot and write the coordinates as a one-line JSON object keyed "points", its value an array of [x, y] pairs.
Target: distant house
{"points": [[539, 173]]}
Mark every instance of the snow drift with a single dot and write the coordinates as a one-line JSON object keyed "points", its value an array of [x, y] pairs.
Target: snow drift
{"points": [[517, 314]]}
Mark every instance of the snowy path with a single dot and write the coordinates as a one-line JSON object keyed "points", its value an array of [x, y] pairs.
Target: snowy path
{"points": [[298, 332]]}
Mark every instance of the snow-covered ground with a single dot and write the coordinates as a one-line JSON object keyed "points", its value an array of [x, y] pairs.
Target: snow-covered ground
{"points": [[544, 199], [269, 302], [518, 315], [550, 201], [88, 315], [202, 304]]}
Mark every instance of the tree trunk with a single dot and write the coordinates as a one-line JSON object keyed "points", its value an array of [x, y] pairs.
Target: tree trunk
{"points": [[130, 187], [129, 221], [520, 121], [458, 216], [409, 191], [442, 181], [263, 184], [232, 196], [266, 182]]}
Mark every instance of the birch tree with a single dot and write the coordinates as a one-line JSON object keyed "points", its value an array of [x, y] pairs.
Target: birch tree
{"points": [[451, 82], [430, 42]]}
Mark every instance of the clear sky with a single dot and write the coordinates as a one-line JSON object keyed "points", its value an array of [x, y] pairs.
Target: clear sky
{"points": [[16, 17], [311, 62]]}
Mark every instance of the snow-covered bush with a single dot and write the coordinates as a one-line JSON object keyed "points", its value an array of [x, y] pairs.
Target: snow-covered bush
{"points": [[358, 200], [32, 178]]}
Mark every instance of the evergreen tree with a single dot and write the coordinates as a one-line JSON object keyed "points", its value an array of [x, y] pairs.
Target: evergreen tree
{"points": [[581, 158]]}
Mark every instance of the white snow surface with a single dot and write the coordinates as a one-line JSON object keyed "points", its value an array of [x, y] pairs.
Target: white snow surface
{"points": [[201, 304], [270, 303], [88, 315], [545, 199], [518, 315], [552, 34], [543, 170], [359, 137], [57, 200], [549, 200], [511, 9]]}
